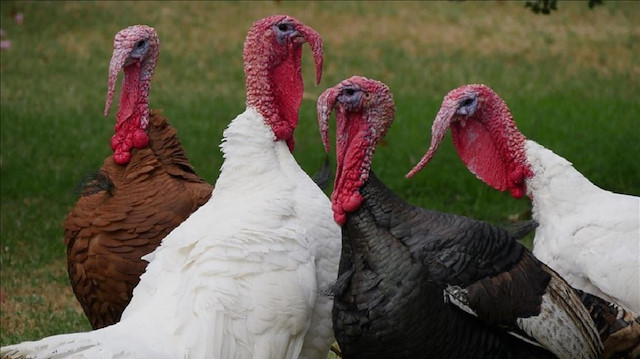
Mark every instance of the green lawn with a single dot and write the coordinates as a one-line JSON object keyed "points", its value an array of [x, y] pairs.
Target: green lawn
{"points": [[571, 80]]}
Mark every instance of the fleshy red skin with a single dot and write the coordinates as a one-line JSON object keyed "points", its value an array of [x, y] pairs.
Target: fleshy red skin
{"points": [[272, 59], [136, 50], [485, 136], [364, 112], [129, 130]]}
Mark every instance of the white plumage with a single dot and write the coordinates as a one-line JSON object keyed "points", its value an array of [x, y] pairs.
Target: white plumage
{"points": [[242, 287], [589, 235], [243, 276]]}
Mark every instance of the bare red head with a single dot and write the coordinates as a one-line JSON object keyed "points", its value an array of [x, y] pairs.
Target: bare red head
{"points": [[485, 135], [364, 112], [272, 66], [136, 50]]}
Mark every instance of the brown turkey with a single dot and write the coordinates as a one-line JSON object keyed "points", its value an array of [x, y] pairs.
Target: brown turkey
{"points": [[416, 283], [141, 193]]}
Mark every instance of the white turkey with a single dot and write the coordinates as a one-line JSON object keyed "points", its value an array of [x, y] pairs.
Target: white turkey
{"points": [[139, 195], [415, 283], [589, 235], [242, 276]]}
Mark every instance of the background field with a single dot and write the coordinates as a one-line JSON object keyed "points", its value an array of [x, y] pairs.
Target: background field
{"points": [[570, 79]]}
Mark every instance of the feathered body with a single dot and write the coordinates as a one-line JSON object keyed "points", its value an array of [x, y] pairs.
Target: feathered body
{"points": [[129, 206], [262, 261], [249, 284], [589, 235], [415, 283], [427, 284]]}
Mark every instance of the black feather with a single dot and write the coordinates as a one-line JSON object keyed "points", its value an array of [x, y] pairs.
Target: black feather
{"points": [[339, 286], [322, 177], [398, 260], [92, 183], [520, 229]]}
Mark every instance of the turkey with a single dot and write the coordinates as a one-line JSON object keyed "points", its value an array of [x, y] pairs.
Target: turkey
{"points": [[139, 195], [589, 235], [243, 276], [415, 283]]}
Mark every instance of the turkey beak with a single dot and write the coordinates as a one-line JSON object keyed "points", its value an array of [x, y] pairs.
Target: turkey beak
{"points": [[118, 61], [326, 103], [315, 41], [438, 130]]}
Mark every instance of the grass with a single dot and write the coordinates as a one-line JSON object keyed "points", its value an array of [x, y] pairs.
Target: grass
{"points": [[570, 80]]}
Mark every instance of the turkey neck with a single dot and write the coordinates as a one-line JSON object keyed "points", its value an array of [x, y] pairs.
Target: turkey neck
{"points": [[133, 112], [363, 248], [134, 97], [375, 273], [276, 93], [166, 146], [555, 182], [250, 152]]}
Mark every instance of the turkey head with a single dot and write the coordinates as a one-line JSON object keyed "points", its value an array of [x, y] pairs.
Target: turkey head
{"points": [[485, 136], [136, 50], [364, 111], [272, 64]]}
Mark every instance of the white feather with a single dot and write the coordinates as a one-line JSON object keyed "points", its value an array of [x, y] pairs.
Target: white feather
{"points": [[458, 296], [588, 235], [241, 277]]}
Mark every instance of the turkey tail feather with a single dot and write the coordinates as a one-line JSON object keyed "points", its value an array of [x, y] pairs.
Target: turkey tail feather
{"points": [[619, 328], [571, 333]]}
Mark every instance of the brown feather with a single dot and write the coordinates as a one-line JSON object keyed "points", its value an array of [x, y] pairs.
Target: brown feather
{"points": [[112, 226], [619, 328], [524, 284]]}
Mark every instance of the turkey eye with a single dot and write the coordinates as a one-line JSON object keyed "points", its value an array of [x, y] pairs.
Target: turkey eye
{"points": [[284, 27], [466, 102], [140, 44], [349, 92]]}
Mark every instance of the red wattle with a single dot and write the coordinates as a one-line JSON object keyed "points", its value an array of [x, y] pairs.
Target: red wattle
{"points": [[516, 175], [517, 192], [121, 157], [481, 153], [353, 203], [115, 141], [338, 214], [140, 139], [133, 102], [128, 142]]}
